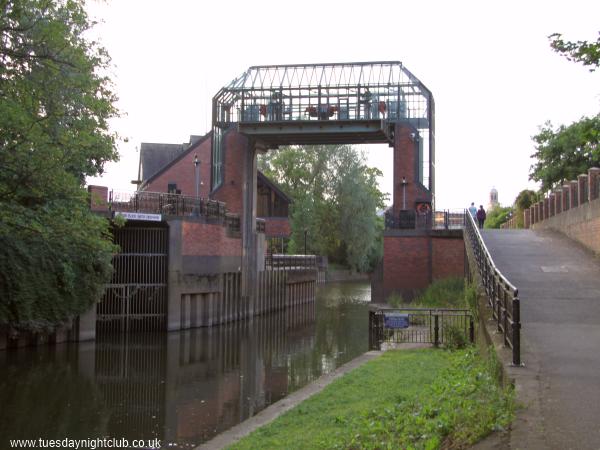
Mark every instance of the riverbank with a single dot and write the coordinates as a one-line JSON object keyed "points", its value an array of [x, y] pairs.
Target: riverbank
{"points": [[419, 398]]}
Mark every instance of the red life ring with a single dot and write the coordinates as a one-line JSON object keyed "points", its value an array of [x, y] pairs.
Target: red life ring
{"points": [[423, 208]]}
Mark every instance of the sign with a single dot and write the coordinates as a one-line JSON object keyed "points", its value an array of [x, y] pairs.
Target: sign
{"points": [[395, 320], [139, 216]]}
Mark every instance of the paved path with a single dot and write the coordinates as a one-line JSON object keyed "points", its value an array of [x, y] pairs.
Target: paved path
{"points": [[559, 287]]}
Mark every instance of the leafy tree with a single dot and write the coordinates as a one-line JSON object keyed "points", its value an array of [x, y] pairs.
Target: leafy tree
{"points": [[565, 152], [497, 216], [55, 103], [587, 53], [524, 200], [336, 197]]}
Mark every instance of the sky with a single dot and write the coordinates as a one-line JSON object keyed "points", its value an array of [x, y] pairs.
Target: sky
{"points": [[489, 65]]}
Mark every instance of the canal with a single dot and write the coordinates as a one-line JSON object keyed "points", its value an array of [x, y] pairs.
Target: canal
{"points": [[182, 387]]}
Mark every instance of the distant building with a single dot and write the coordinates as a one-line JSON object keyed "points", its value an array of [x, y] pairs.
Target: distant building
{"points": [[493, 199]]}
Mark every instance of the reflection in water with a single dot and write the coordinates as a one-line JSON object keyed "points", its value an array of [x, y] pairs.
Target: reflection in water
{"points": [[184, 387]]}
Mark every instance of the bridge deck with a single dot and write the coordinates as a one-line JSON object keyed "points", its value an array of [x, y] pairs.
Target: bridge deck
{"points": [[559, 287]]}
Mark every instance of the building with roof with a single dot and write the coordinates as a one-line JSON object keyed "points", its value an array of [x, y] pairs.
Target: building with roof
{"points": [[170, 168]]}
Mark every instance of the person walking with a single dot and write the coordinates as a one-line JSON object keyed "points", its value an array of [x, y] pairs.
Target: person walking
{"points": [[473, 210], [481, 216]]}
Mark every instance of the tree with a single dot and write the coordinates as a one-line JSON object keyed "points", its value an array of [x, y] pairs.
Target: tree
{"points": [[335, 199], [55, 104], [497, 216], [587, 53], [565, 152], [524, 200]]}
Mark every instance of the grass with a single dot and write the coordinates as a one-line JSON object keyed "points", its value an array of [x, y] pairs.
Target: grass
{"points": [[409, 399]]}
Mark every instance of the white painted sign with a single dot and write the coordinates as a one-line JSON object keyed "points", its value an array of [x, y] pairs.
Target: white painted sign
{"points": [[139, 216]]}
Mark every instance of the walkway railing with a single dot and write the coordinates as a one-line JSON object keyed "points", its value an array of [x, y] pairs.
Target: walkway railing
{"points": [[432, 220], [177, 205], [164, 203], [502, 295], [292, 262]]}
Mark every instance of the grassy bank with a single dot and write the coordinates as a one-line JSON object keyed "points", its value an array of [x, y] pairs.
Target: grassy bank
{"points": [[421, 399]]}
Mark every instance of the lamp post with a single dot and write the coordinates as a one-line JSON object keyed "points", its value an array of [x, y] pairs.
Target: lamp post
{"points": [[404, 183], [196, 211]]}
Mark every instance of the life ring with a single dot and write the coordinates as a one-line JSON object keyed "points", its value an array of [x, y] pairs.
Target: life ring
{"points": [[423, 208]]}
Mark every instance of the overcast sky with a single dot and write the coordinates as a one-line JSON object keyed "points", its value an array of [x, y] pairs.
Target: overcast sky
{"points": [[489, 66]]}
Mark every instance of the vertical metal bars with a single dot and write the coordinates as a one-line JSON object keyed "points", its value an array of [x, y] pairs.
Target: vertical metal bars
{"points": [[136, 297]]}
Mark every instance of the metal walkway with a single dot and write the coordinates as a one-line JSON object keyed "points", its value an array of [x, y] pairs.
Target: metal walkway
{"points": [[559, 284]]}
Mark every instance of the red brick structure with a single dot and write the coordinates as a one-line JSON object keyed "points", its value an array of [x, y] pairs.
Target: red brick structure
{"points": [[407, 168], [171, 166], [412, 260]]}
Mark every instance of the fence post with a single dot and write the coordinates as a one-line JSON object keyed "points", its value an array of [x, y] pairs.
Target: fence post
{"points": [[471, 329], [516, 329], [436, 331]]}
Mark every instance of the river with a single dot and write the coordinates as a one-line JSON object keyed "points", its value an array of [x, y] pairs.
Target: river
{"points": [[181, 387]]}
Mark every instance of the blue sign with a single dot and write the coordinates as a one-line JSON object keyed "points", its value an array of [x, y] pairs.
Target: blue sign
{"points": [[395, 320]]}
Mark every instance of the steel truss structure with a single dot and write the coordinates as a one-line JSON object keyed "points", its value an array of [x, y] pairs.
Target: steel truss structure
{"points": [[324, 103]]}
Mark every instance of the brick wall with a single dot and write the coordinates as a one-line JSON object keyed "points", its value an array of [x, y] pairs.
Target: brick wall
{"points": [[406, 151], [205, 239], [277, 227], [230, 192], [413, 260], [406, 265], [581, 224], [448, 258], [98, 198], [182, 172]]}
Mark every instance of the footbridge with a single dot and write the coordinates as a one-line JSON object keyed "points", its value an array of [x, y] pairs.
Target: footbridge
{"points": [[333, 103], [559, 291]]}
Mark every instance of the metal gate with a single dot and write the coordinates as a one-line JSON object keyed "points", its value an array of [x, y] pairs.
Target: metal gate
{"points": [[136, 297]]}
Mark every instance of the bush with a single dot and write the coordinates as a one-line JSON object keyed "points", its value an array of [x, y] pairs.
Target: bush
{"points": [[454, 337], [446, 293]]}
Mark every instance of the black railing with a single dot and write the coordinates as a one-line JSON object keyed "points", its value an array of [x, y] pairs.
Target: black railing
{"points": [[431, 220], [419, 325], [164, 203], [502, 295], [291, 262]]}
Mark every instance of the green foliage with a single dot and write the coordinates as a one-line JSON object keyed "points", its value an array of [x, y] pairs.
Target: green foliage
{"points": [[419, 399], [565, 152], [444, 293], [54, 112], [587, 53], [454, 337], [335, 199], [524, 200], [471, 299], [395, 300], [497, 216]]}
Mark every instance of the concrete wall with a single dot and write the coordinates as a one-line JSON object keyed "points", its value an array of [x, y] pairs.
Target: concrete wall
{"points": [[412, 259]]}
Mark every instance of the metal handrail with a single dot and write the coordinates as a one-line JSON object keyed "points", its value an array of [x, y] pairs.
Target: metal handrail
{"points": [[166, 203], [431, 220], [502, 295]]}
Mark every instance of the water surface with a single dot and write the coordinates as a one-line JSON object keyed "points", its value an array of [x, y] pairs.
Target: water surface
{"points": [[182, 387]]}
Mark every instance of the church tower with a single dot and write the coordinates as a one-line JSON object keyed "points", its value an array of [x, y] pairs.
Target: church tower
{"points": [[493, 199]]}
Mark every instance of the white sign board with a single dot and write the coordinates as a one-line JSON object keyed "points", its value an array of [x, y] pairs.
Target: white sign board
{"points": [[139, 216]]}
